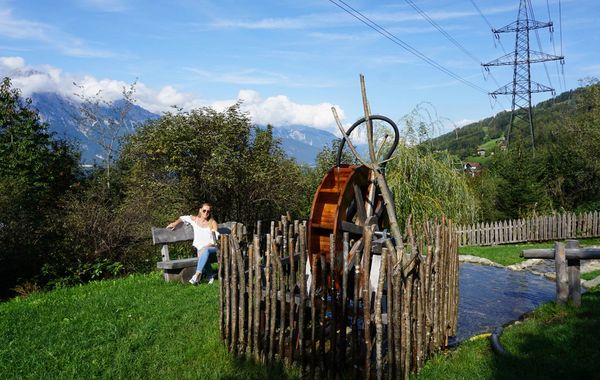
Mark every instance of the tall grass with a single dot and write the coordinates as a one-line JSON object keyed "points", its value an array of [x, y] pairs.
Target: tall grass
{"points": [[428, 186], [136, 327]]}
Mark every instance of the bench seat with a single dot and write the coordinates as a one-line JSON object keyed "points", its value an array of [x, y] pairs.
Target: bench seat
{"points": [[182, 269], [178, 264]]}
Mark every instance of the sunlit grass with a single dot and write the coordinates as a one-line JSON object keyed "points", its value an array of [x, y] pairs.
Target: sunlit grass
{"points": [[136, 327]]}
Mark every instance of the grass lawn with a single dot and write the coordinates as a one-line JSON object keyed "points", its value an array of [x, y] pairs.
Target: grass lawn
{"points": [[553, 343], [135, 327], [590, 275], [142, 327], [509, 254]]}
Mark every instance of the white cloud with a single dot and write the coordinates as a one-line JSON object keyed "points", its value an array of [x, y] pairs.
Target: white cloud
{"points": [[276, 110], [21, 29], [281, 111]]}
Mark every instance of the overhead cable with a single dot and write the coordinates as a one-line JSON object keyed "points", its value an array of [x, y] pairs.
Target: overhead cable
{"points": [[490, 25], [387, 34]]}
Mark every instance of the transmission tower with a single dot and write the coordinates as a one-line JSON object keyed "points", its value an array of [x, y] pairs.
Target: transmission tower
{"points": [[521, 59]]}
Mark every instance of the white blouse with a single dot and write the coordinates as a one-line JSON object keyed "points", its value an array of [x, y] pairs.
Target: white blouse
{"points": [[202, 235]]}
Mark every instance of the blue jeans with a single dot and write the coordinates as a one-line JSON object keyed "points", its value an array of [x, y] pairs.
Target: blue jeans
{"points": [[203, 256]]}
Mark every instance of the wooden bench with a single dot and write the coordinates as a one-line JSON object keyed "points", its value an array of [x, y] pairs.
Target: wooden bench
{"points": [[180, 269]]}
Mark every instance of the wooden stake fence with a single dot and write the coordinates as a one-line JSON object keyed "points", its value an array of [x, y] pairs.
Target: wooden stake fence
{"points": [[271, 310], [542, 228]]}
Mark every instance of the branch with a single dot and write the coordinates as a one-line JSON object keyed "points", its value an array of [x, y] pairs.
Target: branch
{"points": [[350, 145], [367, 111]]}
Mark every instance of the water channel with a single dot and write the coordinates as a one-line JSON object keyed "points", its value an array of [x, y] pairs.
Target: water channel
{"points": [[491, 297]]}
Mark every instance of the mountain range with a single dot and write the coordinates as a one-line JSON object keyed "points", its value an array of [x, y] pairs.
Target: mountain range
{"points": [[62, 114]]}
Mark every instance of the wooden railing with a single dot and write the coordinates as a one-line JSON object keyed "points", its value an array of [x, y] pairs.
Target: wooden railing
{"points": [[542, 228]]}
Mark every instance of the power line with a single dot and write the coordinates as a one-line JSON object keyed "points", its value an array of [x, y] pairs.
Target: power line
{"points": [[450, 38], [561, 43], [554, 49], [537, 36], [441, 30], [490, 25], [384, 32]]}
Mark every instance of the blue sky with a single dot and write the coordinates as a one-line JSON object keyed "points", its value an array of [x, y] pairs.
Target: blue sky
{"points": [[290, 61]]}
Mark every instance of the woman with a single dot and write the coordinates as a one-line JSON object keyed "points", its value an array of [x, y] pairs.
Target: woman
{"points": [[204, 241]]}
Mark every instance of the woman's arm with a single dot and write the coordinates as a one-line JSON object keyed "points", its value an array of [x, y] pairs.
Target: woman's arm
{"points": [[177, 222], [214, 227]]}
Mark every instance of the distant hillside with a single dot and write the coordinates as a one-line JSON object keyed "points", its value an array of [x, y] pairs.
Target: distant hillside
{"points": [[300, 142], [62, 113], [486, 134]]}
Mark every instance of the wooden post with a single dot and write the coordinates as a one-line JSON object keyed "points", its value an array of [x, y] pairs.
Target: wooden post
{"points": [[281, 298], [366, 296], [562, 287], [249, 321], [378, 319], [573, 269], [257, 297], [322, 312], [233, 246], [292, 286], [234, 298], [221, 290], [346, 251], [313, 316], [268, 274], [273, 294], [302, 306], [333, 295]]}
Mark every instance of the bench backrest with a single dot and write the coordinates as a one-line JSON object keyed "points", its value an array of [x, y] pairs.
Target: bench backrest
{"points": [[183, 232]]}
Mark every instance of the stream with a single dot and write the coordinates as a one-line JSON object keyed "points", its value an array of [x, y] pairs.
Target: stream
{"points": [[490, 297]]}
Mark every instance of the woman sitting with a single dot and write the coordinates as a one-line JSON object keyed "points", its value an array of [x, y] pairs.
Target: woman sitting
{"points": [[205, 232]]}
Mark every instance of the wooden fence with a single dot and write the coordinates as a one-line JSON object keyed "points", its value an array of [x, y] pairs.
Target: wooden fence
{"points": [[541, 228], [336, 321]]}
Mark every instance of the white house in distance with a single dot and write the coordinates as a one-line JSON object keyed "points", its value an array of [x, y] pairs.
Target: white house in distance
{"points": [[472, 168]]}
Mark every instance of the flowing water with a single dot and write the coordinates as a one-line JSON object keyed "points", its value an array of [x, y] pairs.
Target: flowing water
{"points": [[491, 297]]}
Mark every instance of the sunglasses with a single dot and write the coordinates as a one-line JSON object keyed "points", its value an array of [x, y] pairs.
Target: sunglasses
{"points": [[206, 211]]}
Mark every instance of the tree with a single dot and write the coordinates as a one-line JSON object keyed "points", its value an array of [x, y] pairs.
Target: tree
{"points": [[428, 186], [105, 120], [573, 163], [182, 159], [35, 170]]}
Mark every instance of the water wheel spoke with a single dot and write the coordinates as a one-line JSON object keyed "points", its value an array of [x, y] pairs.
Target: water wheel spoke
{"points": [[352, 228], [360, 205]]}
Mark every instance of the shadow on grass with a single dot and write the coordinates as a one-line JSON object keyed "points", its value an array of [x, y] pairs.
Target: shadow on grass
{"points": [[560, 343], [245, 368]]}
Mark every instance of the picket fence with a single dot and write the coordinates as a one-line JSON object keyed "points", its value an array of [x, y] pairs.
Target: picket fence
{"points": [[542, 228]]}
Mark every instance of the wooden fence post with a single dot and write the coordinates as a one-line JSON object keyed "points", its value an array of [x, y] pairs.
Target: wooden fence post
{"points": [[562, 287], [573, 269]]}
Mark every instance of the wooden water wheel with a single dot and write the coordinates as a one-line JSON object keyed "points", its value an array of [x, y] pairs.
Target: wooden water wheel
{"points": [[340, 202]]}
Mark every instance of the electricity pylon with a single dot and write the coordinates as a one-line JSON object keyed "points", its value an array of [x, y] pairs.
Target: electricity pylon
{"points": [[521, 59]]}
